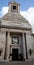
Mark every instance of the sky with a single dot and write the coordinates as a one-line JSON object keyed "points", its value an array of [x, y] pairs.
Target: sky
{"points": [[26, 9]]}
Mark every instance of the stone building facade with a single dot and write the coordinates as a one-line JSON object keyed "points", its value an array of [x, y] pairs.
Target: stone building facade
{"points": [[16, 37]]}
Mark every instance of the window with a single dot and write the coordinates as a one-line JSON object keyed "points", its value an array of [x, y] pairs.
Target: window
{"points": [[14, 10], [15, 40], [0, 52], [14, 7]]}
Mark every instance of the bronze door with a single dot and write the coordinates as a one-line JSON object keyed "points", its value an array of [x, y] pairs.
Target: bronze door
{"points": [[14, 54]]}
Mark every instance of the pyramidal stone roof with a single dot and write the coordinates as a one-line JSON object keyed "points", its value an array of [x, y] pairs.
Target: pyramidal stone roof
{"points": [[15, 20]]}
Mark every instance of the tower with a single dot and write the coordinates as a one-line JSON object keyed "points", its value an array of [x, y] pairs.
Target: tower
{"points": [[14, 8]]}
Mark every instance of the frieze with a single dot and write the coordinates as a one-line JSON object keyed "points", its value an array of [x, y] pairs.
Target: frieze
{"points": [[14, 23]]}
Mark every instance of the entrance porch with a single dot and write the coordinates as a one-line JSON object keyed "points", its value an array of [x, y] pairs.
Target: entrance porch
{"points": [[16, 48]]}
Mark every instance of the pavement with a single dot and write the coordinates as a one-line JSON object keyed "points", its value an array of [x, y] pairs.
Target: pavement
{"points": [[17, 63]]}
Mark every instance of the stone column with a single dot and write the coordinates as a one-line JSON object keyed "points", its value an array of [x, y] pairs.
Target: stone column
{"points": [[3, 36], [8, 45], [23, 44]]}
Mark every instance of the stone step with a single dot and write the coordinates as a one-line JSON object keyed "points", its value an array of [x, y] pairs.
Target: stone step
{"points": [[17, 63]]}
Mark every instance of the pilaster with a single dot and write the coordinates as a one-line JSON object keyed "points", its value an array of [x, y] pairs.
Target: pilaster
{"points": [[23, 44], [8, 45]]}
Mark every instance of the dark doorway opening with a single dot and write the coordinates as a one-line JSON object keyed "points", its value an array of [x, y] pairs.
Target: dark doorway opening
{"points": [[15, 54]]}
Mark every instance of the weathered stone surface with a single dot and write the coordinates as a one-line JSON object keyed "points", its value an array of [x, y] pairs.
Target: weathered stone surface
{"points": [[15, 25]]}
